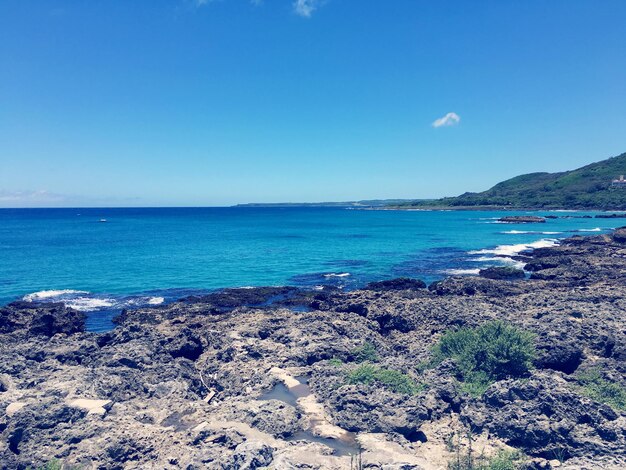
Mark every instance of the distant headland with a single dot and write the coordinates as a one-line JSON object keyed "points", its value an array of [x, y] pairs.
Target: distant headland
{"points": [[598, 186]]}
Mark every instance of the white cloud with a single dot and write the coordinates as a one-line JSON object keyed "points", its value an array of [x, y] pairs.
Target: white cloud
{"points": [[7, 197], [450, 119], [305, 8], [43, 198]]}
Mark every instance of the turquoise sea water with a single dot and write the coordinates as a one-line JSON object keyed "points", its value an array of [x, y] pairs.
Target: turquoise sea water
{"points": [[150, 256]]}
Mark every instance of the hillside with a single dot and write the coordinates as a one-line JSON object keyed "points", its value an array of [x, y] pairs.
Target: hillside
{"points": [[588, 187]]}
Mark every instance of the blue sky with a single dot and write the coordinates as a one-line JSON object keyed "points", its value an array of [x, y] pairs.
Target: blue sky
{"points": [[181, 102]]}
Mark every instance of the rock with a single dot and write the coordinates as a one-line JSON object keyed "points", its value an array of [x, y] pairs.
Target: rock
{"points": [[41, 319], [13, 408], [611, 216], [502, 272], [564, 356], [186, 345], [522, 219], [93, 407], [402, 283], [619, 235], [543, 415], [149, 378]]}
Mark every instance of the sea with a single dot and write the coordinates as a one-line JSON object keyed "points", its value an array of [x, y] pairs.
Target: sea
{"points": [[102, 261]]}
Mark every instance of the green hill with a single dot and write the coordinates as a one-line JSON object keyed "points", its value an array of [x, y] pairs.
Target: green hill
{"points": [[588, 187]]}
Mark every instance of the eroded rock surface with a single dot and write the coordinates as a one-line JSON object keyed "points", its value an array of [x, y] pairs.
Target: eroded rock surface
{"points": [[241, 380]]}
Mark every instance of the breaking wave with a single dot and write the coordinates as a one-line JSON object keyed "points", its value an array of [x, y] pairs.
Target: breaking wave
{"points": [[87, 302], [512, 250]]}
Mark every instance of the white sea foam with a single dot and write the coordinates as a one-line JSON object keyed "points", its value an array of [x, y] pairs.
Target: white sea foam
{"points": [[529, 232], [512, 250], [86, 304], [486, 259], [337, 275], [597, 229], [48, 294], [462, 272]]}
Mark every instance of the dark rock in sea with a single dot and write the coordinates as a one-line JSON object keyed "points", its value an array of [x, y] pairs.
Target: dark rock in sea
{"points": [[522, 219], [401, 283], [502, 272], [253, 296], [611, 216]]}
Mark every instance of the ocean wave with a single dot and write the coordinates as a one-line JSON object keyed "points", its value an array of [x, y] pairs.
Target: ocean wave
{"points": [[462, 272], [85, 301], [486, 259], [512, 250], [337, 275], [139, 302], [49, 294], [597, 229], [88, 304], [529, 232]]}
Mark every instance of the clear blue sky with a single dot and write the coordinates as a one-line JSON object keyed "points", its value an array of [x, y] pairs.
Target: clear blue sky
{"points": [[181, 102]]}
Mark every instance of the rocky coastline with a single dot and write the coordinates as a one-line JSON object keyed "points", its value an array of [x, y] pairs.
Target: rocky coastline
{"points": [[269, 377]]}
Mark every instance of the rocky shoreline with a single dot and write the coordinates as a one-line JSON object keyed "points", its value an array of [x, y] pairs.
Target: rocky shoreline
{"points": [[269, 377]]}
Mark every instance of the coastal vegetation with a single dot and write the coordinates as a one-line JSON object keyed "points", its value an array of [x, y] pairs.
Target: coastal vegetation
{"points": [[488, 353], [393, 380], [503, 460], [601, 390], [366, 352], [589, 187]]}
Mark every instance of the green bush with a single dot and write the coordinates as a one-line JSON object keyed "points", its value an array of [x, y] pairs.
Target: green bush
{"points": [[336, 362], [364, 353], [54, 464], [601, 390], [392, 379], [491, 352], [503, 460]]}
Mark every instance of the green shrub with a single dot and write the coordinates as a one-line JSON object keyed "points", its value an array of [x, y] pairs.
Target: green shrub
{"points": [[392, 379], [335, 361], [364, 353], [491, 352], [54, 464], [503, 460], [601, 390]]}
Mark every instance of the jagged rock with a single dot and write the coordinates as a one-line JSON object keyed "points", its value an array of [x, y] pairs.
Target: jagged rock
{"points": [[402, 283], [186, 385], [544, 415], [619, 235], [40, 319], [502, 272], [522, 219]]}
